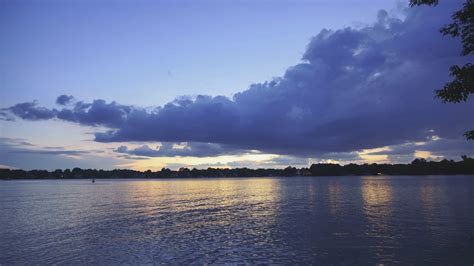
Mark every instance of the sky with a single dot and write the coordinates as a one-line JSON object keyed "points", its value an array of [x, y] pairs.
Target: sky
{"points": [[152, 84]]}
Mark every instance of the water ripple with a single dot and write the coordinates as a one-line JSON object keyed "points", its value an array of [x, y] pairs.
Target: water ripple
{"points": [[301, 220]]}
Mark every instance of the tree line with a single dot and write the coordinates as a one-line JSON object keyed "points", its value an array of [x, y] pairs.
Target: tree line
{"points": [[416, 167]]}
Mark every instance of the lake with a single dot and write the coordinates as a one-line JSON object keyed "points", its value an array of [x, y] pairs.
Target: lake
{"points": [[318, 220]]}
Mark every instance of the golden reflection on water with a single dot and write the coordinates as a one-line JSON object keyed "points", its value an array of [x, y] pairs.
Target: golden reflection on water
{"points": [[219, 196], [377, 197]]}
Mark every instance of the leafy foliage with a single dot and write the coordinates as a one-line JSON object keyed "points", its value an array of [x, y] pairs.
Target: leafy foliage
{"points": [[469, 135], [463, 26], [459, 89], [423, 2]]}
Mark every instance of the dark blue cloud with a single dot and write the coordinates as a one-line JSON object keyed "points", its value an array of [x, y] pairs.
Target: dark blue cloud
{"points": [[28, 111], [97, 113], [356, 88], [169, 149], [64, 99]]}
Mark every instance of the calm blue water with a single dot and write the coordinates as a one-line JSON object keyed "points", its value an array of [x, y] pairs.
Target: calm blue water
{"points": [[320, 220]]}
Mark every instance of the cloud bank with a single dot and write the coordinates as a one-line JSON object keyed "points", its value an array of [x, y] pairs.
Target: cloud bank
{"points": [[169, 149], [356, 88]]}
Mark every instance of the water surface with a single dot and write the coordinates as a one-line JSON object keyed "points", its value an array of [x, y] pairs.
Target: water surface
{"points": [[325, 220]]}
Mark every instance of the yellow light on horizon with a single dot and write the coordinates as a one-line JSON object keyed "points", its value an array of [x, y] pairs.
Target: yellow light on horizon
{"points": [[223, 161], [373, 158], [427, 155]]}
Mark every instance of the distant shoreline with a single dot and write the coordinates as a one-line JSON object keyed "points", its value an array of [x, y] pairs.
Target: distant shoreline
{"points": [[224, 177], [418, 167]]}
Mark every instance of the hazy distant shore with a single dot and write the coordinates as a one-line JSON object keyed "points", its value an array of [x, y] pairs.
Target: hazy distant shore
{"points": [[416, 167]]}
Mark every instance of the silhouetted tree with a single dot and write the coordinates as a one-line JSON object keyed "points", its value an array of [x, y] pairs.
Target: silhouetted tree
{"points": [[290, 171], [58, 173], [184, 172], [326, 169], [462, 26]]}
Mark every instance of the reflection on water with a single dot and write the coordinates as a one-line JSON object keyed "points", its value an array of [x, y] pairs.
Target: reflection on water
{"points": [[377, 195], [325, 220], [427, 193], [378, 204], [335, 197], [432, 195], [205, 215]]}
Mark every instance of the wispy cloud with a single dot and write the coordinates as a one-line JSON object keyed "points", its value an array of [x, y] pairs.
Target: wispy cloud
{"points": [[15, 145], [19, 153]]}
